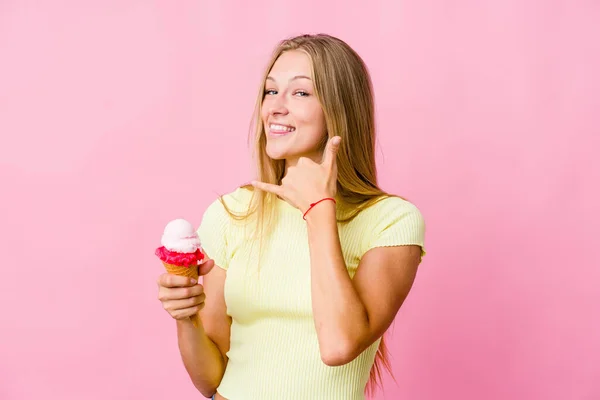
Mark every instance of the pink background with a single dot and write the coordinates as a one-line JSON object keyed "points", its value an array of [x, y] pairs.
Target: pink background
{"points": [[117, 116]]}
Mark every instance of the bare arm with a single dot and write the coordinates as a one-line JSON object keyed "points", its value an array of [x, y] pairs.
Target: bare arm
{"points": [[351, 314], [203, 349], [201, 357]]}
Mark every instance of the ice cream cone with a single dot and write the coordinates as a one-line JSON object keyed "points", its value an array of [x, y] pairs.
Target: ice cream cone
{"points": [[190, 272], [181, 253]]}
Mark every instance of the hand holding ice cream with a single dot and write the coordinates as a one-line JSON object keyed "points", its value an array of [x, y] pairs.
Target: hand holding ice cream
{"points": [[181, 255]]}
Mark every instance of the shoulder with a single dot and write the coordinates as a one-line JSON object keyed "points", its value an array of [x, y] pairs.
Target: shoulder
{"points": [[217, 230], [391, 221], [223, 214], [236, 202], [389, 208]]}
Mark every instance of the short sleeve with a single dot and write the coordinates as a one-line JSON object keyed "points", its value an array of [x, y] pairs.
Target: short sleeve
{"points": [[213, 232], [396, 222]]}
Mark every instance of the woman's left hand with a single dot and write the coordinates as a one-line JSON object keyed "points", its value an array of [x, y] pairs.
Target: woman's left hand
{"points": [[308, 181]]}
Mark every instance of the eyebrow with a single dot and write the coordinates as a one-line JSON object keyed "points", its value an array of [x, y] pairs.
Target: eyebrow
{"points": [[270, 78]]}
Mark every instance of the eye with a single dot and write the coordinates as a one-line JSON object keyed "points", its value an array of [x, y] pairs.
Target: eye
{"points": [[301, 93], [270, 91]]}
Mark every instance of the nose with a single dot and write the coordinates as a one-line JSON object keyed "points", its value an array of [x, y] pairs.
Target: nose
{"points": [[278, 106]]}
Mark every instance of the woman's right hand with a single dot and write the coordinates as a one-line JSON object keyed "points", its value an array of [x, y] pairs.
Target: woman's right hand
{"points": [[181, 296]]}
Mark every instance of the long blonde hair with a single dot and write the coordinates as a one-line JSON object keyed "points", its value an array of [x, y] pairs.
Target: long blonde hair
{"points": [[343, 86]]}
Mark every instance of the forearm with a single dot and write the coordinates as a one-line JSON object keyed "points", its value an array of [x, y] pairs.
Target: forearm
{"points": [[340, 316], [201, 357]]}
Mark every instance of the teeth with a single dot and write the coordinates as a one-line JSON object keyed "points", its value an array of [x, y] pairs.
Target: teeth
{"points": [[281, 128]]}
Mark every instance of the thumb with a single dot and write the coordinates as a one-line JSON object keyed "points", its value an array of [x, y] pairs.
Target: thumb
{"points": [[331, 150], [205, 267]]}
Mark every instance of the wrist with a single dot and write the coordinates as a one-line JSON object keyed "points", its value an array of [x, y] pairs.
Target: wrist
{"points": [[186, 323], [320, 211]]}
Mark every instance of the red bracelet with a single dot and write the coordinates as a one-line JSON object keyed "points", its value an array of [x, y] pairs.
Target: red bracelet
{"points": [[314, 204]]}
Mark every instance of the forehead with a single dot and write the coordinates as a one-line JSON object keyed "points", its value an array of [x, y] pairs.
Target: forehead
{"points": [[290, 64]]}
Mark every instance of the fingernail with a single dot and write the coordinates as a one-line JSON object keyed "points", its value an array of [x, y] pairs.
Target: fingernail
{"points": [[194, 281]]}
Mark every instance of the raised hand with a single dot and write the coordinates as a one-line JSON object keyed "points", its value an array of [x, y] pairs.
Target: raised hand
{"points": [[308, 181]]}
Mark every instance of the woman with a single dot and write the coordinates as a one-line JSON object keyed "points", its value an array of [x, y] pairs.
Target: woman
{"points": [[313, 259]]}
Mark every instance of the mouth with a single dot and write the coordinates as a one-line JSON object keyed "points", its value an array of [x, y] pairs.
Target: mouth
{"points": [[279, 129]]}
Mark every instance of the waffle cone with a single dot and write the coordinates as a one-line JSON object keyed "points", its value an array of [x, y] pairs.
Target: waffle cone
{"points": [[190, 272]]}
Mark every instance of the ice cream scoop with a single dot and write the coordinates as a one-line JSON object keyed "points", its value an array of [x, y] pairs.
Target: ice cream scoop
{"points": [[179, 235]]}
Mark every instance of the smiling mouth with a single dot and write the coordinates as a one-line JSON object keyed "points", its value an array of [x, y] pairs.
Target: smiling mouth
{"points": [[277, 129]]}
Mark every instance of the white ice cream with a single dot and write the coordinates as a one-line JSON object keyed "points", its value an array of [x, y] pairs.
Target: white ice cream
{"points": [[180, 236]]}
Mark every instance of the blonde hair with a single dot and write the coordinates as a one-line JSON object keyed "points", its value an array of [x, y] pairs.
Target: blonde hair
{"points": [[342, 85]]}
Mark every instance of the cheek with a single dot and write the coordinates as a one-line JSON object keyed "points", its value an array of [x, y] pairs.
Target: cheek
{"points": [[312, 115], [317, 119], [264, 114]]}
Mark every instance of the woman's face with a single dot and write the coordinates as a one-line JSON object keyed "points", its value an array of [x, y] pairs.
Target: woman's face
{"points": [[292, 116]]}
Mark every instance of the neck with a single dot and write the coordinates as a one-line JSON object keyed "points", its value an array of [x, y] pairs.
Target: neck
{"points": [[293, 161]]}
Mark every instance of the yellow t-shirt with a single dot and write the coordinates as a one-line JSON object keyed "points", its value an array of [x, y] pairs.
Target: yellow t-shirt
{"points": [[274, 352]]}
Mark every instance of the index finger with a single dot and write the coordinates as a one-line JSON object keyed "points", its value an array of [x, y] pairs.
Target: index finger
{"points": [[174, 281]]}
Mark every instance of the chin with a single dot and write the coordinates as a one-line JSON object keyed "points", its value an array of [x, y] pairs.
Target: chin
{"points": [[276, 157], [275, 153]]}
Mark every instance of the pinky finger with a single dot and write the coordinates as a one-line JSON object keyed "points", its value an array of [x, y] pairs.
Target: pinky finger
{"points": [[268, 187]]}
